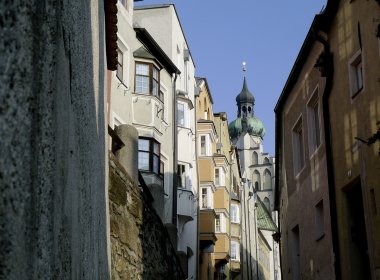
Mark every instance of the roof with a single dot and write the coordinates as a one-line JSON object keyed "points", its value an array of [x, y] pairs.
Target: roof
{"points": [[264, 219], [160, 6], [245, 96], [199, 81], [151, 45]]}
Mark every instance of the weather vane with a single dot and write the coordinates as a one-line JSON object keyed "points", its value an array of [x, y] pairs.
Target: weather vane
{"points": [[244, 69]]}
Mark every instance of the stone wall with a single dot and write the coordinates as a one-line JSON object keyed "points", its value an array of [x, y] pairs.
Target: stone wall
{"points": [[52, 155], [141, 247]]}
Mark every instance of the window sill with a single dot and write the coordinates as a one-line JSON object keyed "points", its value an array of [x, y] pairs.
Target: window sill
{"points": [[320, 237], [356, 93], [121, 83], [298, 174], [315, 152]]}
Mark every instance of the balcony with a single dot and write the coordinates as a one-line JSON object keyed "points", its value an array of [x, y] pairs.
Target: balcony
{"points": [[185, 202]]}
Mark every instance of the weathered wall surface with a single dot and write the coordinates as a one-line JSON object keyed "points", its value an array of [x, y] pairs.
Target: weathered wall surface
{"points": [[52, 152], [141, 247]]}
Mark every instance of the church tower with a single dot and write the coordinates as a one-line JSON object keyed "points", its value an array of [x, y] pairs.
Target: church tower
{"points": [[257, 168]]}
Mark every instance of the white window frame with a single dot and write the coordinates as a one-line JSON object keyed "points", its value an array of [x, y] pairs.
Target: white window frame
{"points": [[220, 180], [235, 246], [218, 226], [298, 159], [209, 198], [180, 104], [207, 145], [314, 102], [222, 223], [183, 176], [124, 48], [356, 73], [234, 214]]}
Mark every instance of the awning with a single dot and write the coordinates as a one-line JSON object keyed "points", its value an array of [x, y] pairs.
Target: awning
{"points": [[264, 219]]}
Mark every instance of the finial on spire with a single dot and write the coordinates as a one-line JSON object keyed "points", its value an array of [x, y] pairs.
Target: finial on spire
{"points": [[244, 69]]}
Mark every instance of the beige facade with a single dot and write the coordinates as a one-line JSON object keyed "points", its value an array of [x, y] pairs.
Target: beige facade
{"points": [[327, 113], [354, 108], [219, 183], [207, 140]]}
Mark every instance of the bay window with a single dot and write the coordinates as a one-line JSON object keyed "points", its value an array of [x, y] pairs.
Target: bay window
{"points": [[147, 79], [149, 155]]}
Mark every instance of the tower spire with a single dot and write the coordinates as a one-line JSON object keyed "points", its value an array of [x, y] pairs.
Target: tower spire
{"points": [[244, 68]]}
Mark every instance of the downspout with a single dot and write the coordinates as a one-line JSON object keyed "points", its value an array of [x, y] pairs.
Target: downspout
{"points": [[246, 237], [175, 152], [198, 189], [328, 73], [231, 188]]}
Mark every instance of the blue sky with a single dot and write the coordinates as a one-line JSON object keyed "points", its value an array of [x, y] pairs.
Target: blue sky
{"points": [[266, 34]]}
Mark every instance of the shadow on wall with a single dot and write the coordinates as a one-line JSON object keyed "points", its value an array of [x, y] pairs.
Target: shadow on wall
{"points": [[53, 208]]}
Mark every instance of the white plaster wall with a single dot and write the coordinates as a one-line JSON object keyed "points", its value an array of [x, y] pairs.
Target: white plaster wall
{"points": [[163, 25]]}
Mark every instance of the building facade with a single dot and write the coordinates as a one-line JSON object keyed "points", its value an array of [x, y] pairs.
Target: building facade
{"points": [[162, 22], [327, 146]]}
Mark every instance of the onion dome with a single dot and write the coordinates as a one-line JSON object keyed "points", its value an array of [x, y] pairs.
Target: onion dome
{"points": [[245, 96], [252, 125], [246, 121]]}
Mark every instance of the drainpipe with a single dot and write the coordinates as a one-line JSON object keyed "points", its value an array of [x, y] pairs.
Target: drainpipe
{"points": [[198, 189], [175, 153], [246, 237], [328, 66]]}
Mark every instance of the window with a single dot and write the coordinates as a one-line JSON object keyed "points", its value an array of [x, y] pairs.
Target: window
{"points": [[147, 79], [266, 160], [219, 176], [319, 220], [296, 253], [180, 114], [203, 145], [298, 147], [234, 213], [356, 73], [181, 176], [149, 155], [220, 223], [313, 123], [257, 180], [255, 158], [206, 198], [119, 70], [161, 96], [235, 251], [217, 223], [267, 180]]}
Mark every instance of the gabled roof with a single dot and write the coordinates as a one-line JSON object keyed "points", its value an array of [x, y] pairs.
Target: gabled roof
{"points": [[154, 49], [160, 6], [200, 81]]}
